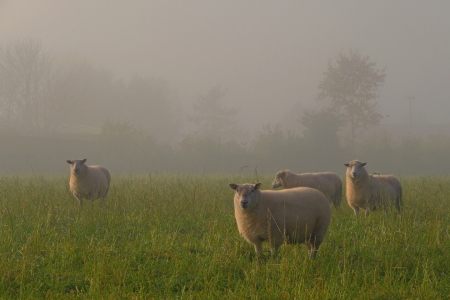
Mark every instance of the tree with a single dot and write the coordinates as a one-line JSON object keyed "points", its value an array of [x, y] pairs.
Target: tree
{"points": [[211, 117], [150, 104], [274, 148], [39, 92], [72, 95], [352, 84], [25, 70], [320, 136], [321, 128]]}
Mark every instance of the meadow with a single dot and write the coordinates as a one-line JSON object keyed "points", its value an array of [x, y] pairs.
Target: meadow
{"points": [[174, 236]]}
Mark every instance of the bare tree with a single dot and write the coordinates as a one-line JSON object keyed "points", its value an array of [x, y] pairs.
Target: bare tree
{"points": [[38, 91], [352, 84], [25, 71], [68, 94]]}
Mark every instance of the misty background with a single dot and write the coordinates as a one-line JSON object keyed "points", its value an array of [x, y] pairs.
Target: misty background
{"points": [[201, 86]]}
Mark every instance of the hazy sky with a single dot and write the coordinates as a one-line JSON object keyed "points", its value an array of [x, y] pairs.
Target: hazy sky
{"points": [[269, 54]]}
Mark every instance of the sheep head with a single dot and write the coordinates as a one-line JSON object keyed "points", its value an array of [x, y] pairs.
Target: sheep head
{"points": [[77, 166], [245, 196], [277, 182], [355, 169]]}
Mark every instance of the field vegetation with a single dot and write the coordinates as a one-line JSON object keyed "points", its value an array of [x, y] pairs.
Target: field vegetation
{"points": [[175, 236]]}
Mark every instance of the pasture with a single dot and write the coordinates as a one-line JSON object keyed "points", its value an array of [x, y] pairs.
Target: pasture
{"points": [[175, 236]]}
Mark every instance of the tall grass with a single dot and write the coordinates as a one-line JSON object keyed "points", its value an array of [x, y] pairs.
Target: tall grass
{"points": [[175, 236]]}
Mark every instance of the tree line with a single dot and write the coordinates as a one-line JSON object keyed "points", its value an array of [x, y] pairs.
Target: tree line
{"points": [[124, 148], [42, 93], [139, 118]]}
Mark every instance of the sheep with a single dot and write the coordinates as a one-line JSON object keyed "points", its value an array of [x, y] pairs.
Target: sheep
{"points": [[298, 215], [88, 182], [366, 192], [328, 183]]}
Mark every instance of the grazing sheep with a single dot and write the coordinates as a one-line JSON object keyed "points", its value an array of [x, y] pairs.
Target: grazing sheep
{"points": [[328, 183], [299, 215], [366, 192], [88, 182]]}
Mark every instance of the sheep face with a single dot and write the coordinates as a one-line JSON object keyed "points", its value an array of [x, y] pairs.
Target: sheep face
{"points": [[355, 169], [245, 195], [277, 181], [77, 166]]}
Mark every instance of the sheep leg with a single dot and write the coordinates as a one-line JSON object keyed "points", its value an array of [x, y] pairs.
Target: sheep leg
{"points": [[398, 204], [367, 212], [81, 202], [332, 200], [356, 210], [312, 253], [314, 246], [258, 250], [335, 201], [336, 205], [338, 199], [274, 250]]}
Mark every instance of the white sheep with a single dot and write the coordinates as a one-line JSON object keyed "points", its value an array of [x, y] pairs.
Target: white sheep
{"points": [[328, 183], [88, 182], [298, 215], [367, 192]]}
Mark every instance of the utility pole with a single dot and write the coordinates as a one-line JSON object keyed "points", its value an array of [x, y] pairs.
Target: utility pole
{"points": [[410, 98]]}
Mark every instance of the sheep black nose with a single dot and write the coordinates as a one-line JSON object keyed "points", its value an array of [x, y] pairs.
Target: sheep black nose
{"points": [[354, 173]]}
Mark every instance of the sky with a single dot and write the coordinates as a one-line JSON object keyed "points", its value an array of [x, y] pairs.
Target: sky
{"points": [[270, 55]]}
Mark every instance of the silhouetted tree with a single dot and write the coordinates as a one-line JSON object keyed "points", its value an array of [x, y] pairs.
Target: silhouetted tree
{"points": [[212, 117], [25, 72], [321, 135], [352, 84], [321, 127], [274, 149]]}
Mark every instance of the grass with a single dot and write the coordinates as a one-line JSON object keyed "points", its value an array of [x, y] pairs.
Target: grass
{"points": [[175, 236]]}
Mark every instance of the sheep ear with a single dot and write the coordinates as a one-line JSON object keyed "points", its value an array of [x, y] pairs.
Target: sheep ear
{"points": [[363, 164], [84, 160], [233, 186], [258, 185], [70, 162], [347, 165]]}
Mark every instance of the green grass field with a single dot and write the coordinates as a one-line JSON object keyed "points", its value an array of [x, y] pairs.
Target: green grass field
{"points": [[175, 236]]}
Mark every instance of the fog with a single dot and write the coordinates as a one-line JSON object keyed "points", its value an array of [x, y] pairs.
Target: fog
{"points": [[267, 56]]}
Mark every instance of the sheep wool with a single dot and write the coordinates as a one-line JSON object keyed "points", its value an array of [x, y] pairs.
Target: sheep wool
{"points": [[295, 216], [328, 183], [88, 182], [366, 192]]}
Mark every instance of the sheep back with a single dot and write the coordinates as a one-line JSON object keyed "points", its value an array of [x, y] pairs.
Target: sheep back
{"points": [[385, 190], [297, 215], [327, 182]]}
